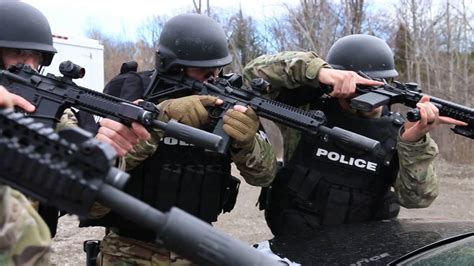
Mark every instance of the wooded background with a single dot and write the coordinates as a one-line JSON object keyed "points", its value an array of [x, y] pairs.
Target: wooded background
{"points": [[433, 43]]}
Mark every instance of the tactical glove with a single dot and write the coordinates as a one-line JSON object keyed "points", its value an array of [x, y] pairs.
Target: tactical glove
{"points": [[241, 127], [189, 110]]}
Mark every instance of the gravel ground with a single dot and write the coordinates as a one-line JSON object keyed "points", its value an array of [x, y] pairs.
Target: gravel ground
{"points": [[246, 222]]}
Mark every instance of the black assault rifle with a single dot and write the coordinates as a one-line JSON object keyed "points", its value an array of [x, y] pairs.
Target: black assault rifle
{"points": [[52, 95], [232, 91], [409, 94], [72, 170]]}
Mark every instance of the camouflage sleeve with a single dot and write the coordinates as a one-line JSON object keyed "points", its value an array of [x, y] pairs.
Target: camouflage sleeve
{"points": [[417, 184], [257, 165], [145, 149], [287, 70], [24, 237], [141, 151]]}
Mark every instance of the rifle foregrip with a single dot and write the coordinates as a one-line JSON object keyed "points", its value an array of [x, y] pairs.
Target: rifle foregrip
{"points": [[219, 131], [413, 115], [184, 233], [193, 135], [353, 139]]}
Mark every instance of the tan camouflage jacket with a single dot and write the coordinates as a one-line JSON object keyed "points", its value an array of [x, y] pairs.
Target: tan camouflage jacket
{"points": [[257, 165], [416, 185], [24, 236]]}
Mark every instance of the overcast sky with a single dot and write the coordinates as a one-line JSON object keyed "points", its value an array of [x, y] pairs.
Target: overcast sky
{"points": [[121, 18]]}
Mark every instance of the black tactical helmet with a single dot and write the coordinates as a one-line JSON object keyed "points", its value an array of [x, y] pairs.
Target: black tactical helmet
{"points": [[366, 53], [25, 27], [192, 40]]}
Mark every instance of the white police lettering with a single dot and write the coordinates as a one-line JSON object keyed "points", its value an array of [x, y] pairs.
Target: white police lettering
{"points": [[360, 163], [172, 142], [333, 156], [336, 157], [371, 166]]}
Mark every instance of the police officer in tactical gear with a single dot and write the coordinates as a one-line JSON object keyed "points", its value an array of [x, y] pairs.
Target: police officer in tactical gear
{"points": [[25, 38], [361, 52], [166, 172], [326, 183], [27, 41], [25, 31], [24, 235], [30, 34]]}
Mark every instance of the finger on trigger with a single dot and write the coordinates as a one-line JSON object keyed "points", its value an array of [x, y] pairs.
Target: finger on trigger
{"points": [[218, 101], [424, 99], [22, 103], [207, 100], [240, 108], [6, 100]]}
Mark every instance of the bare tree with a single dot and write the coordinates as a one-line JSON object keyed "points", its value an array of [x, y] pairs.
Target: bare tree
{"points": [[198, 7], [432, 41], [149, 34], [118, 51], [245, 42], [115, 51], [150, 30], [402, 49], [436, 45], [312, 25], [354, 14]]}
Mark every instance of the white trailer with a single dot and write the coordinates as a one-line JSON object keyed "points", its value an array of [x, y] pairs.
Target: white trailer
{"points": [[87, 53]]}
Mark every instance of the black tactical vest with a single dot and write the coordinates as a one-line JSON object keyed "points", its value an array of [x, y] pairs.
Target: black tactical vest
{"points": [[340, 184], [177, 174], [182, 175]]}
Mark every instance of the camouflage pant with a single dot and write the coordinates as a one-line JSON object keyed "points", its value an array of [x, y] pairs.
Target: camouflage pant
{"points": [[120, 251], [24, 237]]}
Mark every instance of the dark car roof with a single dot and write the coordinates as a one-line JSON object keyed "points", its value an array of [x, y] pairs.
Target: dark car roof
{"points": [[377, 242]]}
